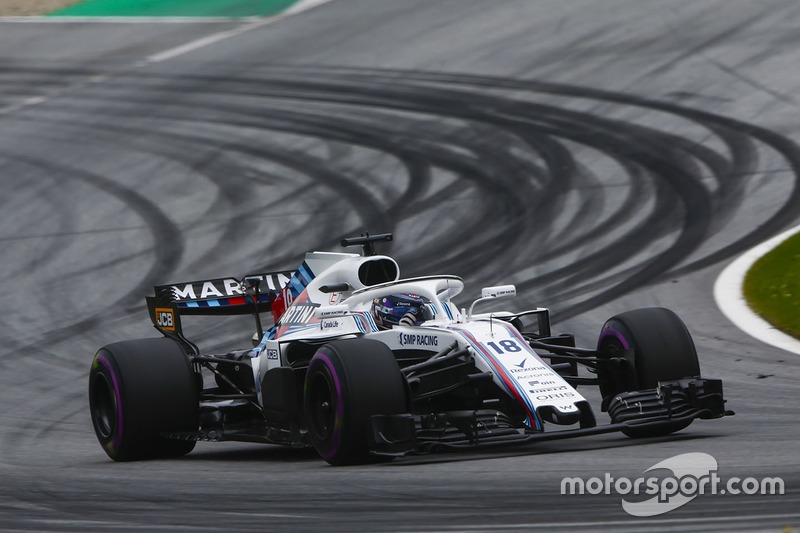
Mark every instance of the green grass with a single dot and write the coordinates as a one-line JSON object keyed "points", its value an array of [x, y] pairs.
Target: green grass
{"points": [[772, 286], [175, 8]]}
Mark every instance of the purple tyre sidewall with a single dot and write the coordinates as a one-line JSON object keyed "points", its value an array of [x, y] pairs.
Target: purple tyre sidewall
{"points": [[336, 436], [103, 365]]}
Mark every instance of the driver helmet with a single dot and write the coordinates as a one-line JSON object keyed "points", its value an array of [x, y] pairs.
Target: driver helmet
{"points": [[390, 310]]}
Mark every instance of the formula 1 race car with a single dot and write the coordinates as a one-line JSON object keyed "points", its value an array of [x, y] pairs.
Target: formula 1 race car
{"points": [[364, 366]]}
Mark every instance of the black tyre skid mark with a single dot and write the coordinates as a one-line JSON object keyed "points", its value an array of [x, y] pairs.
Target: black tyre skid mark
{"points": [[167, 251], [669, 161]]}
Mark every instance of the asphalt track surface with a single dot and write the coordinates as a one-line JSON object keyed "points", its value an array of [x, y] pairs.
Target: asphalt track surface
{"points": [[600, 158]]}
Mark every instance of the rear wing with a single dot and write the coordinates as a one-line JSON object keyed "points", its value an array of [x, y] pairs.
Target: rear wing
{"points": [[253, 294]]}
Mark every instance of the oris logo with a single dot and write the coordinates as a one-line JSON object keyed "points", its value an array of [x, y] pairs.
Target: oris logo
{"points": [[165, 319]]}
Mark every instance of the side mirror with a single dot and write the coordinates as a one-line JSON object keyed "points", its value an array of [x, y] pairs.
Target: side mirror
{"points": [[493, 293], [331, 311]]}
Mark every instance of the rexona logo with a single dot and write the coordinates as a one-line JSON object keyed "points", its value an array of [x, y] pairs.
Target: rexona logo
{"points": [[165, 319], [689, 475]]}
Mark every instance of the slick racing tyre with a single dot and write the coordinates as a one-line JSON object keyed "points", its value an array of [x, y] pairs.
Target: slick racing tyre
{"points": [[642, 348], [139, 390], [347, 382]]}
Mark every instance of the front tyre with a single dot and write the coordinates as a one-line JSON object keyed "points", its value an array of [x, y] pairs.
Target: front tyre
{"points": [[347, 382], [642, 348], [139, 390]]}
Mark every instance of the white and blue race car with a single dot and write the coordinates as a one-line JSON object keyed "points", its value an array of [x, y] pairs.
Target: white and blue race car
{"points": [[364, 366]]}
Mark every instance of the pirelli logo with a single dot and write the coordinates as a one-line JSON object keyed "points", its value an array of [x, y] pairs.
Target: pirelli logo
{"points": [[165, 318]]}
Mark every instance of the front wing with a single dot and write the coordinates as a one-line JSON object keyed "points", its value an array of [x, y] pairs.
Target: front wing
{"points": [[670, 403]]}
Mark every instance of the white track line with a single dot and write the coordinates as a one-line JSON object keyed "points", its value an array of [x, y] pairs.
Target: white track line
{"points": [[207, 40], [730, 299], [299, 7], [252, 23], [304, 5]]}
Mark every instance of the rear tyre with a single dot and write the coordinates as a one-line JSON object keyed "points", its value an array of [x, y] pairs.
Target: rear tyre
{"points": [[347, 382], [139, 390], [648, 346]]}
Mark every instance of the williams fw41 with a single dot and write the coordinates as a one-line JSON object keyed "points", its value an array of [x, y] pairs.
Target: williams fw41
{"points": [[365, 366]]}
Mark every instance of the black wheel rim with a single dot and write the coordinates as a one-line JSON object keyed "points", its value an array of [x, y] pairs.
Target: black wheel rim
{"points": [[321, 407], [610, 383], [104, 406]]}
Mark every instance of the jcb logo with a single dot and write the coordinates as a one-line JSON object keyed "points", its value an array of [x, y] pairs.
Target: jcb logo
{"points": [[165, 319]]}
